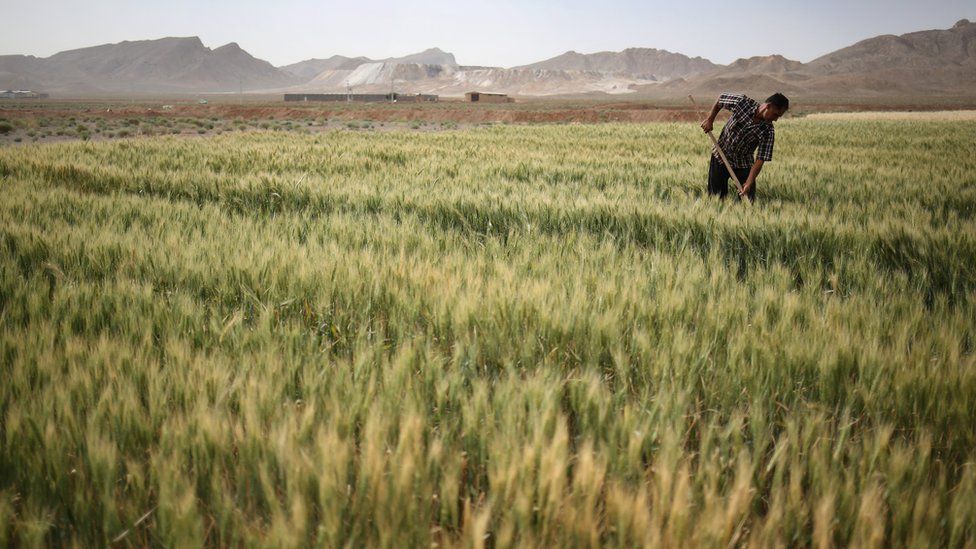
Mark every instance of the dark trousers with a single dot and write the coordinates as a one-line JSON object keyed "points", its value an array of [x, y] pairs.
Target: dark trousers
{"points": [[718, 179]]}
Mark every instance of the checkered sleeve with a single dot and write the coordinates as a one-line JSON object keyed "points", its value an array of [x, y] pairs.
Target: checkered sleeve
{"points": [[730, 100], [765, 152]]}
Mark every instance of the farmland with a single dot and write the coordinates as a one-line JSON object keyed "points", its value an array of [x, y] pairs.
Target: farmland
{"points": [[494, 335], [26, 122]]}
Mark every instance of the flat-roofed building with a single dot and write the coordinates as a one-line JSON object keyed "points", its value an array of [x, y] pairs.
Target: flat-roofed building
{"points": [[361, 97], [484, 97]]}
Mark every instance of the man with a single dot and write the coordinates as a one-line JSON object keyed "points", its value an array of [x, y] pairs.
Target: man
{"points": [[749, 127]]}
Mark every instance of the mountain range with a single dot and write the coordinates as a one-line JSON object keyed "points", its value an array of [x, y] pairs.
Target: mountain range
{"points": [[939, 62], [647, 63], [167, 65], [932, 62], [311, 68]]}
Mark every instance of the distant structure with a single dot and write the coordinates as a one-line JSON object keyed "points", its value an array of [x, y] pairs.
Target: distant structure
{"points": [[22, 94], [362, 97], [415, 98], [482, 97]]}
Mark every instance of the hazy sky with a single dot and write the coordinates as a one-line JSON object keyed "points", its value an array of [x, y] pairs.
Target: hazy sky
{"points": [[499, 32]]}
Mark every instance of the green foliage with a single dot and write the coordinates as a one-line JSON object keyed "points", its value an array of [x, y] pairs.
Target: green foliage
{"points": [[6, 127], [506, 336]]}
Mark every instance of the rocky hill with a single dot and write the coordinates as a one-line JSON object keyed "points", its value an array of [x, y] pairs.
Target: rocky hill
{"points": [[954, 47], [932, 62], [643, 63], [449, 80], [311, 68], [167, 65], [433, 56], [434, 71]]}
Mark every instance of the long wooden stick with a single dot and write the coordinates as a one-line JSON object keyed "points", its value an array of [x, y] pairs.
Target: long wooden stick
{"points": [[721, 154]]}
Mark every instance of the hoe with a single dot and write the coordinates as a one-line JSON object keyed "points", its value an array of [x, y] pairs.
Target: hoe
{"points": [[721, 154]]}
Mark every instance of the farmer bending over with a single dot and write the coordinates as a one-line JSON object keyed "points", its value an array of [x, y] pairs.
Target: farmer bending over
{"points": [[750, 126]]}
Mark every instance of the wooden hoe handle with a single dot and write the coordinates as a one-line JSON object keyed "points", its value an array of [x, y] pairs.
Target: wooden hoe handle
{"points": [[721, 153]]}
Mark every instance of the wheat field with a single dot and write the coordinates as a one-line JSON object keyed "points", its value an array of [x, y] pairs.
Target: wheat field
{"points": [[499, 336], [956, 115]]}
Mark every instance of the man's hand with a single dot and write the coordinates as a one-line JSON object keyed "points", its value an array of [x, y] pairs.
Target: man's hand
{"points": [[710, 120], [746, 187], [751, 180]]}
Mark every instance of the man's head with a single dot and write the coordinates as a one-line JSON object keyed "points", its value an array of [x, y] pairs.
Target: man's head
{"points": [[775, 106]]}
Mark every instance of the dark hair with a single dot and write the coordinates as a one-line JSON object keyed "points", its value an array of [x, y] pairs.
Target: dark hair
{"points": [[779, 101]]}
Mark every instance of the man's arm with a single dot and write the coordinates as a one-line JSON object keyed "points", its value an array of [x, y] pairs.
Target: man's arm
{"points": [[751, 180], [709, 122], [727, 100], [765, 155]]}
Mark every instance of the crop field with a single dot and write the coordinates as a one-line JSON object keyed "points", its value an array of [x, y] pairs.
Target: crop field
{"points": [[956, 115], [88, 127], [490, 336]]}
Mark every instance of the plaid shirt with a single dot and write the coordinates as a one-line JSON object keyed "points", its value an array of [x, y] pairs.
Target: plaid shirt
{"points": [[741, 135]]}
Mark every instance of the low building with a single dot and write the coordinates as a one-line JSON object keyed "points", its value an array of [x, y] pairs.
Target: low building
{"points": [[362, 97], [483, 97], [415, 98]]}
